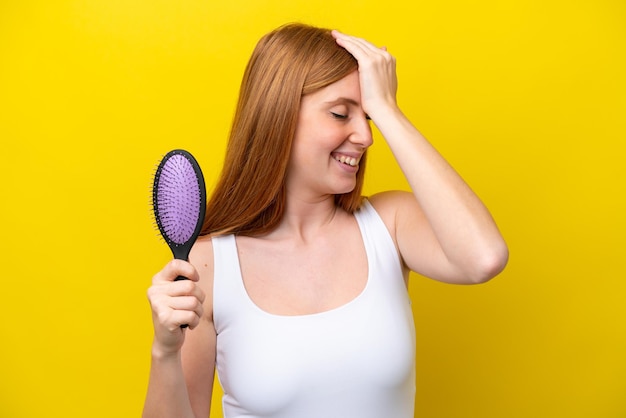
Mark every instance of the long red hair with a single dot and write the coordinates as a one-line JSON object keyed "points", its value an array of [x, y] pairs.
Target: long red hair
{"points": [[287, 63]]}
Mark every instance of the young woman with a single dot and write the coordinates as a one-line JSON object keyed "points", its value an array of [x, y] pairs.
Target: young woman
{"points": [[297, 290]]}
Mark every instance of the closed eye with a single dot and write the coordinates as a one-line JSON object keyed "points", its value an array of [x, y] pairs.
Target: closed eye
{"points": [[338, 115]]}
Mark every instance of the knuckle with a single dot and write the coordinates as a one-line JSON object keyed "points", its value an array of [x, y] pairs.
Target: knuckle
{"points": [[198, 306], [201, 296], [176, 267], [163, 316], [151, 294], [176, 263], [187, 286], [157, 277], [154, 293], [183, 268]]}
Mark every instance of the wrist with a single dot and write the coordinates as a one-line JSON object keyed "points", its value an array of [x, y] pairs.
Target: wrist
{"points": [[386, 114], [160, 353]]}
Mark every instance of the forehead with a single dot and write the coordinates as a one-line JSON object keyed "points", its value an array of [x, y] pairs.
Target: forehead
{"points": [[344, 91]]}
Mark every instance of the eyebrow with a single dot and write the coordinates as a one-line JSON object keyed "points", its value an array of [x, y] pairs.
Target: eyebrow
{"points": [[341, 100]]}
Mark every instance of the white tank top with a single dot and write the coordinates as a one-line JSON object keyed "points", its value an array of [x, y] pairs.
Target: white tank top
{"points": [[357, 360]]}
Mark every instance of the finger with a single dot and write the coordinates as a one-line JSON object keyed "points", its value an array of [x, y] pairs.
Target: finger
{"points": [[174, 320], [172, 312], [366, 54], [183, 268], [176, 268], [175, 295], [359, 44], [185, 288], [358, 51], [185, 311], [186, 303], [188, 319]]}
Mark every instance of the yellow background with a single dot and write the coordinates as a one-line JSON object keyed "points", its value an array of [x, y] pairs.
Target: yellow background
{"points": [[526, 98]]}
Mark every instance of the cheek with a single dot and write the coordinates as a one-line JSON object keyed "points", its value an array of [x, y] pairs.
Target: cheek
{"points": [[302, 155], [318, 143]]}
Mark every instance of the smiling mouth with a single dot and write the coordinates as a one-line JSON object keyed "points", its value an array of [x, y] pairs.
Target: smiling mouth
{"points": [[351, 161]]}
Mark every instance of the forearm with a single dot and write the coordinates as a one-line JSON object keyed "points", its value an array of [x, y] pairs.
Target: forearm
{"points": [[463, 226], [167, 395]]}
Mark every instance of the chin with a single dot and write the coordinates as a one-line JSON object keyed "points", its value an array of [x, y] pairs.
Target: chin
{"points": [[344, 190]]}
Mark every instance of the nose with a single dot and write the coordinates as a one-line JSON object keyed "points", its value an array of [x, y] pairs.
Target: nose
{"points": [[362, 132]]}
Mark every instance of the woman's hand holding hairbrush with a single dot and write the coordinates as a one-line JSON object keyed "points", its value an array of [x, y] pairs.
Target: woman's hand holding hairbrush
{"points": [[174, 303]]}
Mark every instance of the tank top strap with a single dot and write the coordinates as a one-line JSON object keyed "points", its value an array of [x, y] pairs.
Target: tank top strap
{"points": [[381, 250], [228, 292]]}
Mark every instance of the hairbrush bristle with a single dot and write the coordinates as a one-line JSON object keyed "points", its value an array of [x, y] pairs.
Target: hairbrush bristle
{"points": [[179, 200]]}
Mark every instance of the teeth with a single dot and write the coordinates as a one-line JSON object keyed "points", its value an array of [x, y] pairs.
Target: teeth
{"points": [[347, 160]]}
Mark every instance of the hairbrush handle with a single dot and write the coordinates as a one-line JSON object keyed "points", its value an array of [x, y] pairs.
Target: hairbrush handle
{"points": [[181, 252]]}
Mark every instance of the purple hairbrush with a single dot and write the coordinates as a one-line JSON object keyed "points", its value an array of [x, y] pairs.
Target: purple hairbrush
{"points": [[179, 202]]}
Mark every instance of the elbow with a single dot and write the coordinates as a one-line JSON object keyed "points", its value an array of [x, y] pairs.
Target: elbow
{"points": [[490, 264]]}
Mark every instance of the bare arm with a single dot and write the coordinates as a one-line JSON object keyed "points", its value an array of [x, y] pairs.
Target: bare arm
{"points": [[183, 360], [442, 229]]}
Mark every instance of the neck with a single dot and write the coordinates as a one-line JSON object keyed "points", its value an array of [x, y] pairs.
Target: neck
{"points": [[305, 218]]}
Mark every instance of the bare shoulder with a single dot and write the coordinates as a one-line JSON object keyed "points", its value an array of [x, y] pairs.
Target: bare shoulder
{"points": [[390, 204], [201, 257], [409, 228], [390, 198], [399, 210]]}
